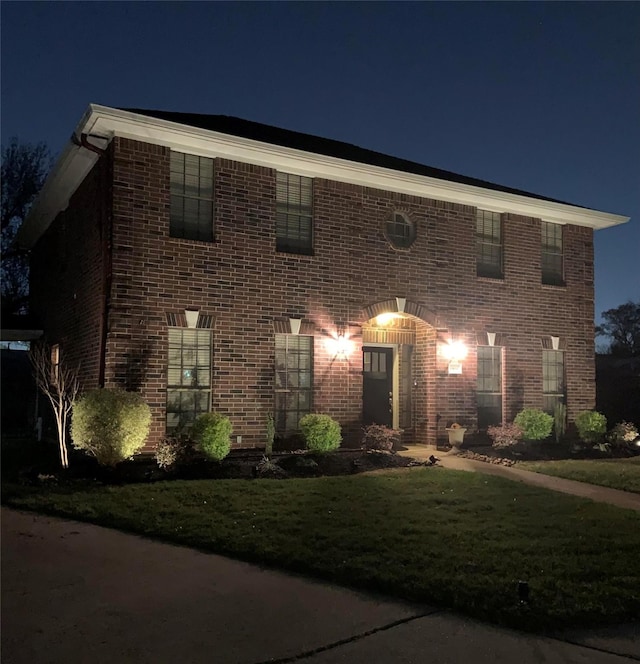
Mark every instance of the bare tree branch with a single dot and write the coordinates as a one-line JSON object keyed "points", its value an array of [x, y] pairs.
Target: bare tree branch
{"points": [[60, 384]]}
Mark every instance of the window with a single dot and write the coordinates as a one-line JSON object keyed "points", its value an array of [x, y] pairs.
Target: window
{"points": [[406, 385], [552, 272], [294, 380], [294, 214], [191, 197], [489, 387], [553, 385], [188, 376], [400, 231], [489, 244], [55, 363]]}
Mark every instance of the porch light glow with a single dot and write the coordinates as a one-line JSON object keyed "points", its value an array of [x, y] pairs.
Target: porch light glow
{"points": [[455, 350], [385, 319], [339, 346]]}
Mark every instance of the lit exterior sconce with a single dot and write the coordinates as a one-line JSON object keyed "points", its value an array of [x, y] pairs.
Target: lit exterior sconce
{"points": [[455, 352], [339, 347]]}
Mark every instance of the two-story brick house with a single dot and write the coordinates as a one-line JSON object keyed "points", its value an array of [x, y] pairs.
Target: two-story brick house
{"points": [[217, 264]]}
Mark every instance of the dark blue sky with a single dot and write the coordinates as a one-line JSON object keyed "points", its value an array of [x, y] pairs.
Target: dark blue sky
{"points": [[539, 96]]}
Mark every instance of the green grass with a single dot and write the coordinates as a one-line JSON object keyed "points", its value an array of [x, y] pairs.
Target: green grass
{"points": [[454, 539], [621, 474]]}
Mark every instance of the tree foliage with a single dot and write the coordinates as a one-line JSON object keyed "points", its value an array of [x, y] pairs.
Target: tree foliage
{"points": [[622, 326], [24, 169]]}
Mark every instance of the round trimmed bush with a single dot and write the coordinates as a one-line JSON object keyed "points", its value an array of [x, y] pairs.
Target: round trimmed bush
{"points": [[535, 423], [320, 432], [212, 434], [110, 424], [591, 426]]}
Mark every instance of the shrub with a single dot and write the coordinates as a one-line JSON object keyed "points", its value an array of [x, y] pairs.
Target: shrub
{"points": [[267, 468], [212, 434], [535, 424], [505, 435], [321, 433], [271, 434], [591, 426], [110, 424], [559, 421], [173, 450], [379, 437], [623, 434]]}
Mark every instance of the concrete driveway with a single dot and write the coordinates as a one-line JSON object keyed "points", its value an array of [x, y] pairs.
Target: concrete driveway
{"points": [[75, 593]]}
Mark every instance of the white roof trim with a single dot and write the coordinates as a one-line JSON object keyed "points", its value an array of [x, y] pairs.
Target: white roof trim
{"points": [[106, 122]]}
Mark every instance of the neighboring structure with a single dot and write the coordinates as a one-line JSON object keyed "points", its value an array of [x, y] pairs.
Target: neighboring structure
{"points": [[217, 264]]}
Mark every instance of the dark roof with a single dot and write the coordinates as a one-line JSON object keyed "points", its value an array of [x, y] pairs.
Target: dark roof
{"points": [[227, 124]]}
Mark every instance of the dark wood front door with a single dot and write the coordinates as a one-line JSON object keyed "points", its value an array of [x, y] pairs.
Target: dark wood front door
{"points": [[377, 385]]}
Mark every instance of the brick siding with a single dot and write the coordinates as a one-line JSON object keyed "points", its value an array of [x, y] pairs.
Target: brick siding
{"points": [[247, 288]]}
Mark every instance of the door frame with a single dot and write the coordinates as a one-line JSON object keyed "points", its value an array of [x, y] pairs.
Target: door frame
{"points": [[395, 381]]}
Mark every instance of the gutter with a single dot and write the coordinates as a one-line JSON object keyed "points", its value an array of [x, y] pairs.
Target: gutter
{"points": [[105, 230]]}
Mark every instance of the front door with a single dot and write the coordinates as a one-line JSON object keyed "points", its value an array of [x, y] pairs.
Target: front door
{"points": [[377, 385]]}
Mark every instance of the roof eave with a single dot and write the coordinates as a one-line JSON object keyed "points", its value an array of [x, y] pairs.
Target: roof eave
{"points": [[75, 163]]}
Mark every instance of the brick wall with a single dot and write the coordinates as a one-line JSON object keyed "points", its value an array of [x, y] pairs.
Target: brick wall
{"points": [[68, 273], [248, 288]]}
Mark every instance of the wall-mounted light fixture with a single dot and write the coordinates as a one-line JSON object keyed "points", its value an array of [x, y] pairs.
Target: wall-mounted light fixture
{"points": [[339, 346], [455, 352], [386, 318]]}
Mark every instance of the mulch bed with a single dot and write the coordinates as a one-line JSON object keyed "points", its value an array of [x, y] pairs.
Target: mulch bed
{"points": [[241, 464]]}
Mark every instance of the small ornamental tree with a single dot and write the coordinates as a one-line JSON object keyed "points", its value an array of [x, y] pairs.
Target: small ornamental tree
{"points": [[110, 424], [535, 424], [212, 434], [59, 383], [321, 433], [591, 426]]}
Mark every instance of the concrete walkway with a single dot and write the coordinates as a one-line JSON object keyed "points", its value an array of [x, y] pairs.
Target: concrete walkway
{"points": [[75, 593], [601, 494]]}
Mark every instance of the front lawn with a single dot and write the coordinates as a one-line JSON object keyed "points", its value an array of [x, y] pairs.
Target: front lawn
{"points": [[454, 539], [621, 474]]}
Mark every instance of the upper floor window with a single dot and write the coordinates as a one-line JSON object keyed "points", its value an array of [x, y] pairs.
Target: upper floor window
{"points": [[294, 213], [400, 231], [553, 383], [188, 376], [552, 269], [489, 244], [191, 197], [489, 386]]}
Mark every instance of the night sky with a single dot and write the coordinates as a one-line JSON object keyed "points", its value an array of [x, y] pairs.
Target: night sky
{"points": [[538, 96]]}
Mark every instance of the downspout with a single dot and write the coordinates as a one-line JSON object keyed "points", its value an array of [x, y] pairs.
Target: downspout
{"points": [[105, 231]]}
